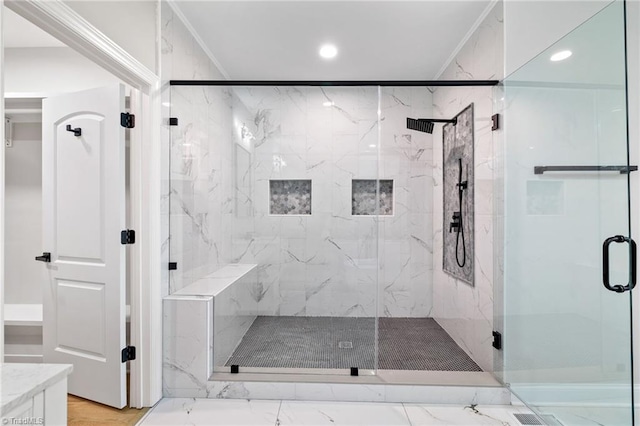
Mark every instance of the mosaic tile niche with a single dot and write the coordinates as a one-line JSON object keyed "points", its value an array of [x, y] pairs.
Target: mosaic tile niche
{"points": [[290, 197], [363, 197]]}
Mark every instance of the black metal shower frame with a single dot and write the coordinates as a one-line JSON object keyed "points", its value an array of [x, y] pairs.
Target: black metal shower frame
{"points": [[337, 83]]}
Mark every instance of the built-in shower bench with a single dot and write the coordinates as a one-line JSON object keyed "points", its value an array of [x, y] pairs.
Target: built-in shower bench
{"points": [[205, 321]]}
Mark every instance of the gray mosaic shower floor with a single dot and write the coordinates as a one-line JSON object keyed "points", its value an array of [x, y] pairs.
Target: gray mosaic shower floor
{"points": [[327, 342]]}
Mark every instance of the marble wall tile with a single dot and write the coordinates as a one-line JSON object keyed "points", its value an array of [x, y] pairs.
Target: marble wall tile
{"points": [[234, 310], [201, 189], [187, 360], [326, 264], [465, 312], [196, 235], [203, 324], [219, 217]]}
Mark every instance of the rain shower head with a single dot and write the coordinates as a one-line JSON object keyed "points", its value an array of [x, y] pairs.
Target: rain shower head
{"points": [[426, 124], [420, 125]]}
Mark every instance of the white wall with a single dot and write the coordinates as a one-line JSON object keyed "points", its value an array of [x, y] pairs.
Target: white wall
{"points": [[51, 70], [23, 215], [466, 312], [130, 24], [532, 26]]}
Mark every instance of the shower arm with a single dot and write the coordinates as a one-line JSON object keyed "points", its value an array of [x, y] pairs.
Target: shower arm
{"points": [[438, 120]]}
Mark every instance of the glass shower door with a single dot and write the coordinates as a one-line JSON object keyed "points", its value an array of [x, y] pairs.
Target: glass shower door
{"points": [[567, 247]]}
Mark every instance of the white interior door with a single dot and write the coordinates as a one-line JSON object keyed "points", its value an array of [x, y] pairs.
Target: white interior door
{"points": [[84, 214]]}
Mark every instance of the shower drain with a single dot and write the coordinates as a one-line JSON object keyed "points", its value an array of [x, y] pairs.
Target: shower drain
{"points": [[532, 419], [345, 345], [528, 419]]}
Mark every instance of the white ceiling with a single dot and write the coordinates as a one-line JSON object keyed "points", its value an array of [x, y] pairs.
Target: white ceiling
{"points": [[18, 32], [381, 40]]}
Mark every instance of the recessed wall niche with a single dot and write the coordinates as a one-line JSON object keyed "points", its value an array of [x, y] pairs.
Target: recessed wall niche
{"points": [[363, 197], [290, 197]]}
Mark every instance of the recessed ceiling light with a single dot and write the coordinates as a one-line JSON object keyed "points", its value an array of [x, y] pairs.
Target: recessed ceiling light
{"points": [[328, 51], [560, 56], [327, 103]]}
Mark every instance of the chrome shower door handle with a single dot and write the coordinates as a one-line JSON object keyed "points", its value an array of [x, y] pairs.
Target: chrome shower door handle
{"points": [[632, 263]]}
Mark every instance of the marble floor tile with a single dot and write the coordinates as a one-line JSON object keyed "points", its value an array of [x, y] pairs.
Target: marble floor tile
{"points": [[423, 414], [229, 412], [213, 412], [590, 416], [300, 413]]}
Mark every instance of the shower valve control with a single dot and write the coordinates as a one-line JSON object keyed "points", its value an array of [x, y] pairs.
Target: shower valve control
{"points": [[455, 225]]}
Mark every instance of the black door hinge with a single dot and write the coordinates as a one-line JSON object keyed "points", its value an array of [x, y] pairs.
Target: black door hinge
{"points": [[129, 353], [173, 266], [127, 120], [495, 121], [355, 371], [173, 121], [497, 340], [128, 236]]}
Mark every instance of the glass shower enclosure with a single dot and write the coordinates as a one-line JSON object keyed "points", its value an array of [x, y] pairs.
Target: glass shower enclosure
{"points": [[322, 198], [568, 257], [283, 180]]}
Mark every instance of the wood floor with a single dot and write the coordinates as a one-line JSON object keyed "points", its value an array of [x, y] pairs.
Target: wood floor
{"points": [[84, 412]]}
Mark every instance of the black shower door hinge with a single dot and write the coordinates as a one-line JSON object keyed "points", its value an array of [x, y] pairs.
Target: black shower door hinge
{"points": [[495, 122], [497, 340], [129, 353], [128, 236], [173, 266], [128, 121], [173, 121]]}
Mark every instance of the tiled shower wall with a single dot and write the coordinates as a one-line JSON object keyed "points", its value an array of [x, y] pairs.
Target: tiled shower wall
{"points": [[230, 142], [406, 247], [325, 264], [202, 185], [466, 312], [198, 158]]}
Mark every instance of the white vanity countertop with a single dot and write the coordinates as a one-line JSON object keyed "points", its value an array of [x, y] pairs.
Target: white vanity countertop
{"points": [[20, 382]]}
